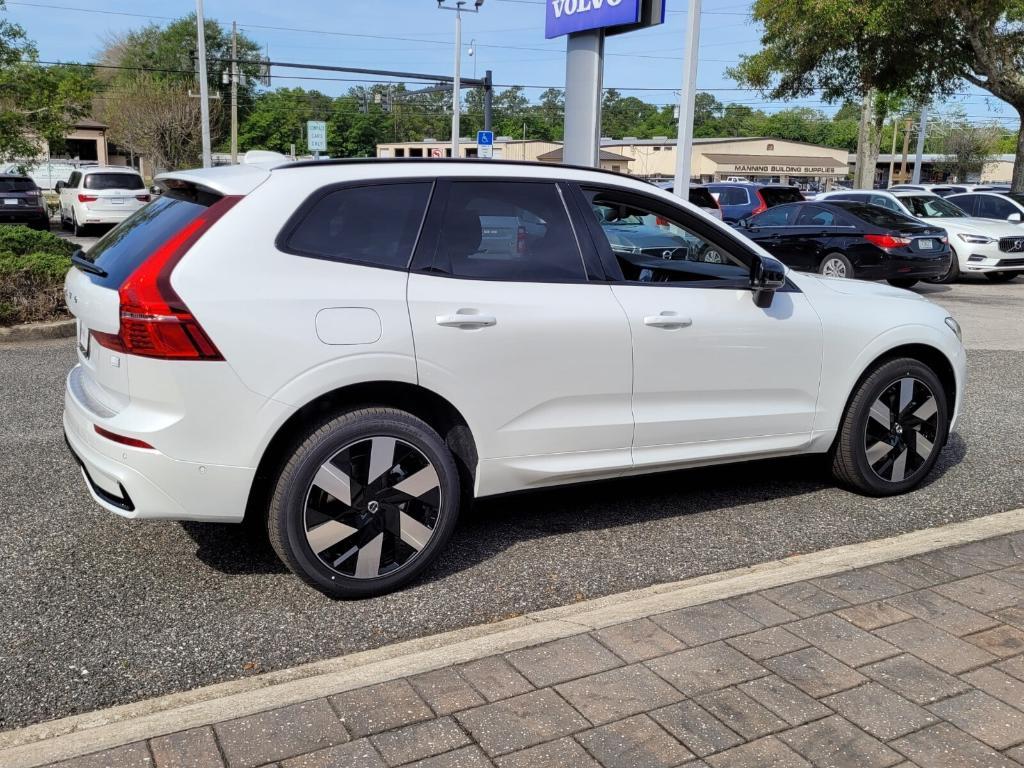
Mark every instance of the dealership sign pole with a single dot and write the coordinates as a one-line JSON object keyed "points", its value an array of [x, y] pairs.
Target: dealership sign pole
{"points": [[687, 100], [587, 22]]}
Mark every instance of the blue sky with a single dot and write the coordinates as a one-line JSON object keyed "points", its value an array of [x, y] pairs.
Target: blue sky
{"points": [[509, 37]]}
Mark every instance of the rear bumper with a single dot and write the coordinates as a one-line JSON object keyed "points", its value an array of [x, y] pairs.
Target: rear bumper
{"points": [[32, 218], [145, 484], [901, 267], [105, 217]]}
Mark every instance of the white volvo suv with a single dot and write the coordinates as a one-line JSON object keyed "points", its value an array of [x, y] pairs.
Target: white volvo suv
{"points": [[350, 351]]}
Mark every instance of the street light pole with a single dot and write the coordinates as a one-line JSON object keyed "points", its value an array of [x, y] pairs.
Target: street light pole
{"points": [[687, 100], [456, 81], [204, 87], [919, 155]]}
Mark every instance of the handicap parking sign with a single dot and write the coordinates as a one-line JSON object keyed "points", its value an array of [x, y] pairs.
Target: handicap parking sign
{"points": [[485, 144]]}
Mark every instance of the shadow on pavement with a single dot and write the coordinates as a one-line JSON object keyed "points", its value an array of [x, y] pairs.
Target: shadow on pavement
{"points": [[494, 524]]}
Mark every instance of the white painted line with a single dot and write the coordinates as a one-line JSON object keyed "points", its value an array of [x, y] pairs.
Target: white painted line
{"points": [[82, 734]]}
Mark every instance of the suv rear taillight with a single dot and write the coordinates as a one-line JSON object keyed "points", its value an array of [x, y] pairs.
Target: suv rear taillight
{"points": [[762, 206], [88, 198], [154, 320]]}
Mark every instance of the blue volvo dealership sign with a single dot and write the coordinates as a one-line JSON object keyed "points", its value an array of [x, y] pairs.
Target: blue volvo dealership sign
{"points": [[565, 16]]}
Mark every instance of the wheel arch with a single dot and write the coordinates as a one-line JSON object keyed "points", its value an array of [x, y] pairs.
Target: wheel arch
{"points": [[931, 356], [421, 402]]}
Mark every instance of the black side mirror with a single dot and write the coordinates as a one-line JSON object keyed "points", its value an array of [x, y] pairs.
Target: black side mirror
{"points": [[59, 186], [767, 276]]}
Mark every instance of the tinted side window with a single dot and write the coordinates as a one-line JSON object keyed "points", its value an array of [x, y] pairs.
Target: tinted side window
{"points": [[780, 195], [885, 202], [991, 207], [815, 216], [515, 231], [733, 196], [778, 216], [374, 225], [969, 203], [73, 179]]}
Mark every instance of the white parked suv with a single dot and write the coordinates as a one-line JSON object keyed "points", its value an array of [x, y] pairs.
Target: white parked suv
{"points": [[100, 195], [982, 246], [350, 351]]}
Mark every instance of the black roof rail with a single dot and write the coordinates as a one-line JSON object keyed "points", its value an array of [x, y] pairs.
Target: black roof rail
{"points": [[464, 160]]}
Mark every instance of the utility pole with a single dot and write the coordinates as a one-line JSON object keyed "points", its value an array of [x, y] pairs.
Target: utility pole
{"points": [[234, 93], [892, 152], [456, 80], [204, 86], [687, 100], [919, 158], [906, 149], [488, 100]]}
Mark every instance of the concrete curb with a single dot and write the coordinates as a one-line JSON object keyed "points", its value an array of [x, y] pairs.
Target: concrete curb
{"points": [[57, 329], [82, 734]]}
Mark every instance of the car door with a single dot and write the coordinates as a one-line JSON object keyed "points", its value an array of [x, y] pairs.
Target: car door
{"points": [[510, 329], [773, 230], [714, 376], [817, 227]]}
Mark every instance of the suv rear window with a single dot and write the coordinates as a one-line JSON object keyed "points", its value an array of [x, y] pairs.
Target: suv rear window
{"points": [[113, 181], [779, 195], [126, 246], [702, 198], [23, 184]]}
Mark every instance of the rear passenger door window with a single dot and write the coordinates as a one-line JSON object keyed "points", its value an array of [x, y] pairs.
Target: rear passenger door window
{"points": [[512, 231], [375, 225]]}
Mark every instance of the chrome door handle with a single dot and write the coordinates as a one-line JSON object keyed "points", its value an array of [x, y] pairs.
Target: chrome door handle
{"points": [[668, 320], [463, 319]]}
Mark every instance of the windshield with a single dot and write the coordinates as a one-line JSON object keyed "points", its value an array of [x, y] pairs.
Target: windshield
{"points": [[928, 207]]}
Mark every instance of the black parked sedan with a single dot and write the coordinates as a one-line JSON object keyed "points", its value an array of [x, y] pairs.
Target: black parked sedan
{"points": [[21, 202], [850, 239]]}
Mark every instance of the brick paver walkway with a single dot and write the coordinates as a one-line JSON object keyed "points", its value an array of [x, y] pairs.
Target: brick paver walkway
{"points": [[918, 662]]}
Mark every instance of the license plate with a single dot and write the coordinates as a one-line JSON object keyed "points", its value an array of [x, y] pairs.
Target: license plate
{"points": [[117, 200], [10, 201], [83, 339], [926, 245]]}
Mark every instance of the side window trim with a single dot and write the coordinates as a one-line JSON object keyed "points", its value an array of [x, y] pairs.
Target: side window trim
{"points": [[298, 216]]}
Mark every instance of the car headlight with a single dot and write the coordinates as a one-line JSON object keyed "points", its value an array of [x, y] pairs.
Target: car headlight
{"points": [[975, 239], [954, 326]]}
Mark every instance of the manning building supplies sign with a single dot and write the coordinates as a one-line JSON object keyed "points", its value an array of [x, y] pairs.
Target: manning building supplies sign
{"points": [[565, 16]]}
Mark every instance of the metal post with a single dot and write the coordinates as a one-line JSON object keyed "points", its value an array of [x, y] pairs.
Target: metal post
{"points": [[234, 93], [204, 88], [584, 76], [906, 150], [687, 100], [892, 152], [456, 85], [488, 100], [919, 158]]}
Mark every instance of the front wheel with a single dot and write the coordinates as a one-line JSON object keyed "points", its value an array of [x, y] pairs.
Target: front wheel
{"points": [[366, 502], [1001, 277], [893, 430], [904, 282], [836, 265]]}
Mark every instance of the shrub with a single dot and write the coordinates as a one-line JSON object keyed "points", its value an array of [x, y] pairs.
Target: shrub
{"points": [[22, 241], [32, 285]]}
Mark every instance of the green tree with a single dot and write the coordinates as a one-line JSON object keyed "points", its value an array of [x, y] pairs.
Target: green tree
{"points": [[277, 119], [37, 103], [850, 49]]}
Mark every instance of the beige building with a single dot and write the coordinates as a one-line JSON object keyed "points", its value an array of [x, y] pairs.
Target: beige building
{"points": [[753, 159], [86, 143]]}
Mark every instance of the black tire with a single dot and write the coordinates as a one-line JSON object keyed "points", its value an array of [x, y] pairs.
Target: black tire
{"points": [[78, 230], [839, 259], [902, 282], [64, 224], [299, 507], [860, 460], [951, 275], [1001, 277]]}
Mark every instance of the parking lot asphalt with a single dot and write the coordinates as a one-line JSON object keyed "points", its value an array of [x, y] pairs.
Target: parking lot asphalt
{"points": [[100, 611]]}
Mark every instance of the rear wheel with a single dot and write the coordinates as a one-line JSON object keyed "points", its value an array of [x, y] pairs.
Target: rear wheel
{"points": [[836, 265], [905, 282], [893, 430], [1001, 277], [366, 502], [76, 229]]}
